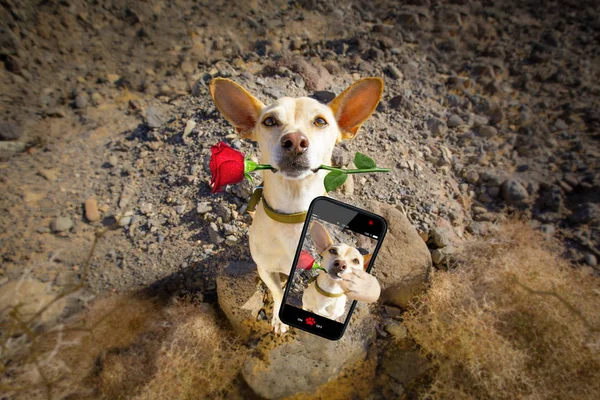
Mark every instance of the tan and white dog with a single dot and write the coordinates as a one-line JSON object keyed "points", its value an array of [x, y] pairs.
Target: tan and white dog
{"points": [[326, 296], [295, 136]]}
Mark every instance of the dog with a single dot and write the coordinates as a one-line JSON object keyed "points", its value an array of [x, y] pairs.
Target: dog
{"points": [[325, 296], [295, 136]]}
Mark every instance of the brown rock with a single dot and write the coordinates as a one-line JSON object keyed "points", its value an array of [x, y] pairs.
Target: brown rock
{"points": [[404, 263], [91, 210]]}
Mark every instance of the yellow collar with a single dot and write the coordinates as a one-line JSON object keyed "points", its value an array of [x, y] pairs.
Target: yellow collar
{"points": [[327, 294], [294, 218]]}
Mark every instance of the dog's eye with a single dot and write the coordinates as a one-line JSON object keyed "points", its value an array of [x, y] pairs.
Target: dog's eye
{"points": [[333, 251], [270, 121], [356, 261], [320, 122]]}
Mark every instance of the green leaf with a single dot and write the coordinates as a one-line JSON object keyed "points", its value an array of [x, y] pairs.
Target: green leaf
{"points": [[363, 162], [249, 165], [334, 180], [247, 175]]}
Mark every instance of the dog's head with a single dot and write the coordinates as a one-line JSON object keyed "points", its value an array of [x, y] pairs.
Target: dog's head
{"points": [[338, 258], [297, 135]]}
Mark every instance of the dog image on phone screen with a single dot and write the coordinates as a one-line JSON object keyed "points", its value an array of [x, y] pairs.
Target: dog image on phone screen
{"points": [[295, 136], [325, 296]]}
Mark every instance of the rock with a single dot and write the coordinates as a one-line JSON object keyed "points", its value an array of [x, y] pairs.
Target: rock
{"points": [[455, 121], [49, 174], [62, 224], [32, 296], [316, 77], [154, 118], [214, 234], [472, 177], [397, 330], [304, 362], [12, 147], [404, 366], [81, 100], [513, 192], [91, 210], [392, 311], [441, 257], [323, 96], [591, 260], [404, 263], [203, 207], [146, 208], [493, 191], [10, 131], [189, 127], [125, 219], [487, 131], [443, 235], [395, 72], [585, 213], [223, 211], [436, 126], [238, 295]]}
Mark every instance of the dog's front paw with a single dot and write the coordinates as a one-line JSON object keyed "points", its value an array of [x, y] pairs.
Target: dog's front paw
{"points": [[279, 327]]}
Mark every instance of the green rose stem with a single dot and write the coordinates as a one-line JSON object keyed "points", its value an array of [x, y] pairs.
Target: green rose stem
{"points": [[354, 171]]}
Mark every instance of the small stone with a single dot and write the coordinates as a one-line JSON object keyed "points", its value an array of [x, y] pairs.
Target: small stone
{"points": [[12, 147], [154, 118], [487, 131], [591, 260], [9, 131], [585, 213], [62, 224], [397, 330], [125, 219], [97, 98], [91, 210], [180, 209], [392, 311], [189, 126], [561, 125], [50, 174], [436, 126], [203, 207], [55, 113], [395, 72], [113, 161], [455, 121], [81, 100], [146, 208], [472, 177], [223, 211], [514, 192], [493, 191], [214, 234]]}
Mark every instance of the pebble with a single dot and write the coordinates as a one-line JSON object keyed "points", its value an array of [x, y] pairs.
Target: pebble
{"points": [[436, 126], [397, 330], [154, 118], [62, 224], [203, 207], [12, 147], [513, 192], [487, 131], [91, 210], [591, 260], [189, 127], [472, 177], [146, 208], [493, 191], [49, 174], [455, 121], [214, 234], [395, 72], [10, 131], [81, 101], [125, 219]]}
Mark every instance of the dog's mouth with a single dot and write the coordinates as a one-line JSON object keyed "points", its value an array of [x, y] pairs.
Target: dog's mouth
{"points": [[294, 168]]}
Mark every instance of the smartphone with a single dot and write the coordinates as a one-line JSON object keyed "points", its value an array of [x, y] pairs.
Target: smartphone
{"points": [[336, 238]]}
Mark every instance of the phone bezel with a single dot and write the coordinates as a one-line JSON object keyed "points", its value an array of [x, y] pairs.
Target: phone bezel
{"points": [[331, 330]]}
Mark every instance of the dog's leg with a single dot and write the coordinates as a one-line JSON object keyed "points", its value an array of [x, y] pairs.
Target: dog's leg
{"points": [[273, 282]]}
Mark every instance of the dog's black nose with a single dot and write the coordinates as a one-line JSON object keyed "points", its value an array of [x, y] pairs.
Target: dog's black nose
{"points": [[295, 142], [341, 265]]}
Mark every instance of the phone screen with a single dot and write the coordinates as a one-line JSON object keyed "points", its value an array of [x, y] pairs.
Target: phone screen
{"points": [[337, 238]]}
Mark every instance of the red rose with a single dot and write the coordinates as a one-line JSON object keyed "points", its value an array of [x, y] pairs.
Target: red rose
{"points": [[305, 261], [226, 166]]}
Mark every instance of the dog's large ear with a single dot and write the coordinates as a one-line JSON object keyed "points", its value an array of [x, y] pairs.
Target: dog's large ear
{"points": [[319, 236], [366, 261], [238, 106], [355, 104]]}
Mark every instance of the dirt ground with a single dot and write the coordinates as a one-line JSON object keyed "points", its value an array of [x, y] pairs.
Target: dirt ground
{"points": [[490, 113]]}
